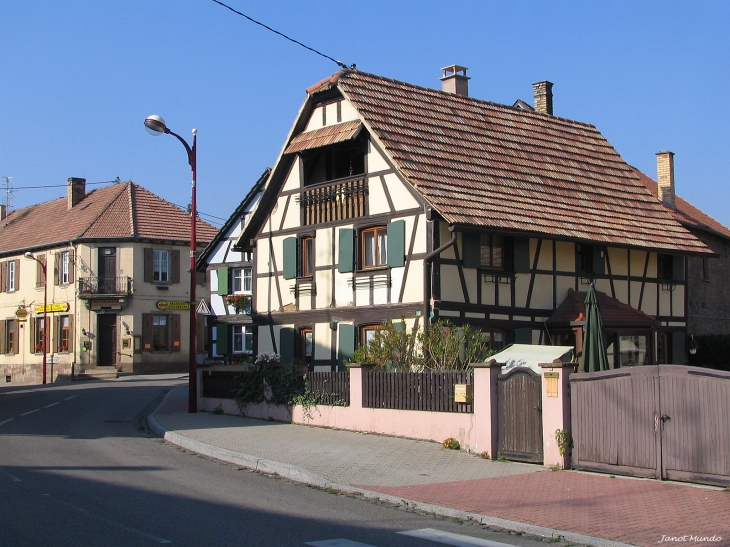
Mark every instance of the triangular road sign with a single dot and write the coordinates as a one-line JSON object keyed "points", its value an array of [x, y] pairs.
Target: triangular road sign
{"points": [[202, 308]]}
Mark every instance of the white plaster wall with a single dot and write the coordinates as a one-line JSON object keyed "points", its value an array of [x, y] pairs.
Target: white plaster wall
{"points": [[522, 286], [562, 285], [348, 112], [315, 120], [565, 256], [322, 341], [217, 306], [542, 292], [414, 282], [635, 294], [331, 113], [219, 256], [323, 248], [344, 295], [292, 178], [213, 275], [376, 162], [450, 284], [603, 285], [264, 340], [638, 259], [678, 302], [377, 202], [619, 259], [293, 216], [362, 297], [665, 302], [649, 305], [622, 290], [380, 296], [323, 279], [399, 193], [545, 261], [505, 294], [488, 288]]}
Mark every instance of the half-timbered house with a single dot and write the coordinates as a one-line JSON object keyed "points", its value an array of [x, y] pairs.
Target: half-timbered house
{"points": [[390, 200]]}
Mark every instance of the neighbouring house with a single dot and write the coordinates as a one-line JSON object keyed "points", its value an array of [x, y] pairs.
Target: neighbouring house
{"points": [[96, 276], [708, 279], [391, 200], [230, 276]]}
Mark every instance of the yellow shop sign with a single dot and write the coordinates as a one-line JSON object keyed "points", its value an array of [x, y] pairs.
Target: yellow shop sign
{"points": [[166, 305], [52, 308]]}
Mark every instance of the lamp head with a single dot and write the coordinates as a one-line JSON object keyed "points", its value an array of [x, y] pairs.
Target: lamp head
{"points": [[28, 254], [155, 125]]}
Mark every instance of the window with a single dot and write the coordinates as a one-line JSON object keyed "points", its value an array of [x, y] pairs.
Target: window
{"points": [[633, 349], [64, 271], [374, 247], [584, 258], [63, 335], [307, 260], [160, 333], [11, 276], [494, 339], [307, 344], [242, 339], [11, 336], [241, 278], [492, 251], [161, 266], [369, 333], [39, 335]]}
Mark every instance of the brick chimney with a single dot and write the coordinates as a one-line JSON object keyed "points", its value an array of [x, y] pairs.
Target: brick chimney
{"points": [[665, 177], [76, 191], [543, 97], [455, 80], [3, 212]]}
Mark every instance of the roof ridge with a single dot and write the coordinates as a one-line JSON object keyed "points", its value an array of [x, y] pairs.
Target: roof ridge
{"points": [[105, 209], [463, 98], [132, 210]]}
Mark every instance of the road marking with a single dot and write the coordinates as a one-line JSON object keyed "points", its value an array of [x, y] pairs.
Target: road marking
{"points": [[339, 542], [108, 521], [6, 421], [449, 538], [31, 412], [69, 398], [52, 404], [12, 477]]}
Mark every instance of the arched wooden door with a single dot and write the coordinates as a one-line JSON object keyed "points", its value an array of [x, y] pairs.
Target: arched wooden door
{"points": [[519, 414]]}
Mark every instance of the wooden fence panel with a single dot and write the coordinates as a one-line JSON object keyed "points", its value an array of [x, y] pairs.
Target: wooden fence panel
{"points": [[429, 391], [223, 384], [334, 386]]}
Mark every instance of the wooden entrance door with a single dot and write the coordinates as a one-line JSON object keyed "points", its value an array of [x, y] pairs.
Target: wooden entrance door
{"points": [[106, 339], [107, 270], [519, 414]]}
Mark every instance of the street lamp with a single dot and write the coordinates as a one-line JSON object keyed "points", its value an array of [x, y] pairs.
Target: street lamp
{"points": [[155, 125], [45, 312]]}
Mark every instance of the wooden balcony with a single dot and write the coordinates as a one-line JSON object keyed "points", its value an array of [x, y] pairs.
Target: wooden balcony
{"points": [[93, 287], [332, 202]]}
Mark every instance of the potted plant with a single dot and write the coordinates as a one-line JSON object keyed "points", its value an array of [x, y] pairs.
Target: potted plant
{"points": [[240, 302]]}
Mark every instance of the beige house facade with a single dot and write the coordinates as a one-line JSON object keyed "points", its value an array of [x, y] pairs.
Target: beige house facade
{"points": [[103, 288]]}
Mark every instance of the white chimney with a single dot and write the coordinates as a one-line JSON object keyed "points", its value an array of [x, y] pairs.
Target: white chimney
{"points": [[455, 80]]}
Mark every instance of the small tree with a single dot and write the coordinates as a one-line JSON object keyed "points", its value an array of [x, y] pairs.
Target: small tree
{"points": [[391, 348]]}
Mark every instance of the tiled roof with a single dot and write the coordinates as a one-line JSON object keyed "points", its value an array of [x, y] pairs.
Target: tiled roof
{"points": [[124, 210], [322, 137], [493, 166], [685, 213], [613, 312]]}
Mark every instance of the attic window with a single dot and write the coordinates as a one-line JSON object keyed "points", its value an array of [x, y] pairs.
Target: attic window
{"points": [[339, 161]]}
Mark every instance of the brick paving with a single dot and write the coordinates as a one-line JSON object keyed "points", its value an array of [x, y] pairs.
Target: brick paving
{"points": [[626, 510]]}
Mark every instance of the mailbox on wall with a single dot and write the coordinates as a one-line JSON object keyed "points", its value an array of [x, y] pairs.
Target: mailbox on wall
{"points": [[463, 393]]}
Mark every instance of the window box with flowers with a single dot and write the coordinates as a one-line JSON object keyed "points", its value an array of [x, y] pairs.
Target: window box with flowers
{"points": [[63, 349], [239, 302]]}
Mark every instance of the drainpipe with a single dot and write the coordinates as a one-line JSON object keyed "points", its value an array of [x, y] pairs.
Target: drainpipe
{"points": [[426, 264]]}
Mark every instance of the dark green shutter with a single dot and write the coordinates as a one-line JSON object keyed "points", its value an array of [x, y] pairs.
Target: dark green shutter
{"points": [[286, 345], [397, 244], [678, 347], [599, 260], [346, 259], [290, 258], [471, 250], [222, 344], [521, 254], [223, 281], [523, 336], [677, 268], [346, 346]]}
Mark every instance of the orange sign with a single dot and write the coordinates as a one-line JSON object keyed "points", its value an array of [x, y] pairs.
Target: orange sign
{"points": [[51, 308], [21, 313]]}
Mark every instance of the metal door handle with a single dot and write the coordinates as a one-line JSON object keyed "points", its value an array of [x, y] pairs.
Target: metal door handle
{"points": [[665, 418]]}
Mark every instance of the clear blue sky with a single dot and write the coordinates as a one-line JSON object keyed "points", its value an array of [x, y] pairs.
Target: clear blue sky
{"points": [[79, 78]]}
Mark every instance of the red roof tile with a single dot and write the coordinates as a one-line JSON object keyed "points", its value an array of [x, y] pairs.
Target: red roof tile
{"points": [[124, 210], [613, 312], [493, 166], [685, 213], [322, 137]]}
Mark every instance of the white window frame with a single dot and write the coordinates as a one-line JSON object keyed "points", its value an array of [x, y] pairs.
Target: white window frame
{"points": [[242, 338], [11, 275], [161, 265], [241, 279], [64, 265]]}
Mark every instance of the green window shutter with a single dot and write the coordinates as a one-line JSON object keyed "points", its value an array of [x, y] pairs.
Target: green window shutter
{"points": [[346, 346], [472, 250], [677, 268], [221, 340], [290, 258], [599, 260], [397, 244], [223, 281], [523, 335], [346, 258], [678, 347], [286, 345], [521, 254]]}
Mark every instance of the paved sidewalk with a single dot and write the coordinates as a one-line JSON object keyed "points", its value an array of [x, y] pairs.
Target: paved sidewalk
{"points": [[582, 507]]}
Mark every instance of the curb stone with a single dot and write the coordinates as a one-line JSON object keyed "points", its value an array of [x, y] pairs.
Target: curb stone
{"points": [[300, 475]]}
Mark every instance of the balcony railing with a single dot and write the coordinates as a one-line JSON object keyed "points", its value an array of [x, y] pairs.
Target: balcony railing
{"points": [[329, 203], [94, 286]]}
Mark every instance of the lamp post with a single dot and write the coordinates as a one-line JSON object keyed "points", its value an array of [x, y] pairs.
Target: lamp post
{"points": [[156, 126], [45, 312]]}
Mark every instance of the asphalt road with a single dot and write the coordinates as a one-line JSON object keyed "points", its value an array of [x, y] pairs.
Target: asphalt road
{"points": [[78, 468]]}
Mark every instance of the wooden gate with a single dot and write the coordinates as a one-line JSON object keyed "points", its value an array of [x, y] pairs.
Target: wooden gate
{"points": [[665, 421], [519, 414]]}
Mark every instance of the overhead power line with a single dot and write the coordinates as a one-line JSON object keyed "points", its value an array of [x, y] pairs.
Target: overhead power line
{"points": [[57, 185], [339, 63]]}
